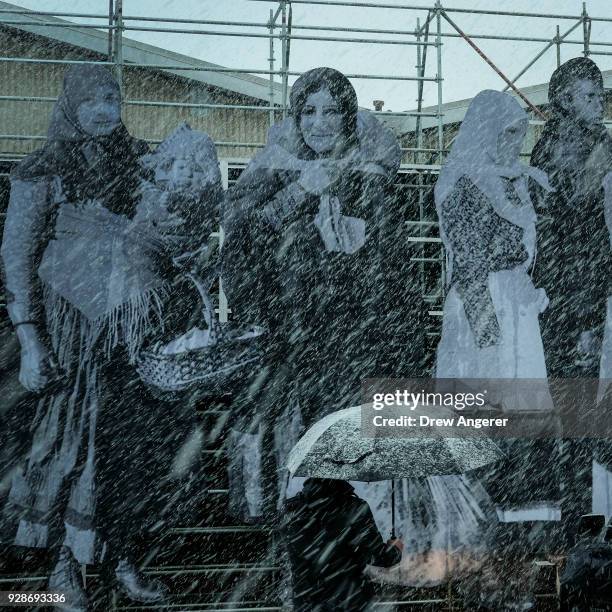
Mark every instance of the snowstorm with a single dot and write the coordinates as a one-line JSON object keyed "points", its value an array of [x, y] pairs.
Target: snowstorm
{"points": [[306, 305]]}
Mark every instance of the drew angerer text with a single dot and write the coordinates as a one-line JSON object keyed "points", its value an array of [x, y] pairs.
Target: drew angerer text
{"points": [[425, 421]]}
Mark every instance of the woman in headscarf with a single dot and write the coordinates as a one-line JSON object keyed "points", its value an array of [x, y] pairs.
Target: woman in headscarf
{"points": [[83, 294], [574, 263], [304, 255], [490, 327], [490, 324]]}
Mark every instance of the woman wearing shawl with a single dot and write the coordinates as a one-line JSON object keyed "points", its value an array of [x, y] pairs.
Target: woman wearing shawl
{"points": [[490, 326], [303, 255], [574, 263], [487, 222], [83, 295]]}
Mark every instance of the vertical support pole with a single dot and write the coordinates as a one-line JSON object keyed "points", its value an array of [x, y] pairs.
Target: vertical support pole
{"points": [[586, 30], [118, 59], [223, 306], [416, 155], [223, 309], [421, 73], [439, 78], [271, 63], [111, 11], [285, 56], [440, 125], [558, 43]]}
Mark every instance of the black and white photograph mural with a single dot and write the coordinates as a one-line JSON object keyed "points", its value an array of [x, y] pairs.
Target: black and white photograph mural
{"points": [[306, 305]]}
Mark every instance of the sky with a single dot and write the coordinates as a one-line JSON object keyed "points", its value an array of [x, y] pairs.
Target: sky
{"points": [[464, 72]]}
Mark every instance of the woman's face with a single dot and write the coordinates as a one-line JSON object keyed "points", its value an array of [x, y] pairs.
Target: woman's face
{"points": [[100, 113], [321, 122], [510, 142]]}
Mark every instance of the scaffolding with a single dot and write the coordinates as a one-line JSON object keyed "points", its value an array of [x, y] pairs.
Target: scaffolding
{"points": [[433, 25]]}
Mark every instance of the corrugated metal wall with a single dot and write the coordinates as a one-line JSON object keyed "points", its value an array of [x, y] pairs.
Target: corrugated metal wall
{"points": [[30, 118]]}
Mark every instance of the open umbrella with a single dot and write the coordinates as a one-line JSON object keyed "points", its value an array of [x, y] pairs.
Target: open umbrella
{"points": [[335, 447]]}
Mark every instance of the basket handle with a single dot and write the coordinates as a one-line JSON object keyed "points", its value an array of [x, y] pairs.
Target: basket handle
{"points": [[203, 286]]}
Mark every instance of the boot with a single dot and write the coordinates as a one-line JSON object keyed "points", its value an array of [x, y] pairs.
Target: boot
{"points": [[67, 580], [136, 585]]}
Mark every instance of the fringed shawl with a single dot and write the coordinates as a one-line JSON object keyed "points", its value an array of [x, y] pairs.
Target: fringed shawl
{"points": [[95, 272]]}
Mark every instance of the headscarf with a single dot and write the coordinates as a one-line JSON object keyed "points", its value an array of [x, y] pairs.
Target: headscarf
{"points": [[114, 173], [79, 82], [475, 155], [371, 147], [341, 91]]}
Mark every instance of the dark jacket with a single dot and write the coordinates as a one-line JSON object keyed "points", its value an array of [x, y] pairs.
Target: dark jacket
{"points": [[574, 261], [331, 536]]}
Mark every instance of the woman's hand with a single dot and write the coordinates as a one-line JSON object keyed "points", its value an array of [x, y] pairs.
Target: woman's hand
{"points": [[36, 369], [542, 300], [588, 348], [397, 543]]}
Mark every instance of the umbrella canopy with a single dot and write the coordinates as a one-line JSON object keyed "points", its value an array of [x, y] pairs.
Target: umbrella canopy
{"points": [[335, 447]]}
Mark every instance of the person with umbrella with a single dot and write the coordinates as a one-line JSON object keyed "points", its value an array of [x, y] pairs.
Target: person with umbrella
{"points": [[331, 536], [336, 448]]}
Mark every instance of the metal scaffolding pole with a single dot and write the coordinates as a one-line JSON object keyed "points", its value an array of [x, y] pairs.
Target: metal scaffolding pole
{"points": [[412, 7], [118, 45], [439, 78], [556, 40], [521, 95], [415, 157], [285, 56], [111, 11], [271, 64], [440, 121], [421, 73], [586, 30], [419, 178]]}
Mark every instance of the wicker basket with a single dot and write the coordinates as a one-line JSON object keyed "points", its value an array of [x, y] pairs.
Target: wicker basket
{"points": [[233, 355]]}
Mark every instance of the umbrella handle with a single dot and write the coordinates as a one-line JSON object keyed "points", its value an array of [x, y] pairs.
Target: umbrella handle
{"points": [[393, 509]]}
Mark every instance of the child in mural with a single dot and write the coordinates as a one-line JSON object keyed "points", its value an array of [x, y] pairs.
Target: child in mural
{"points": [[183, 196], [180, 204]]}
